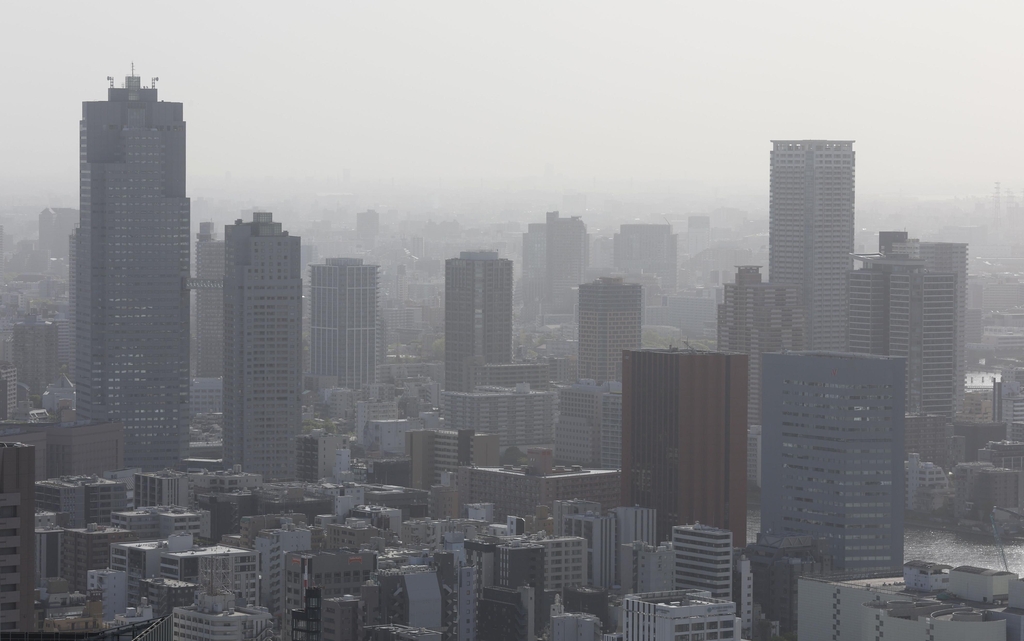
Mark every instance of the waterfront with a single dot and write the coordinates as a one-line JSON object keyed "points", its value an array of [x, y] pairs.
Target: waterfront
{"points": [[940, 546]]}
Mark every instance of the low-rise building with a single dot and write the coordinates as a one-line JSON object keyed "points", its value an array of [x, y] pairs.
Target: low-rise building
{"points": [[160, 522], [517, 491], [86, 499], [666, 616]]}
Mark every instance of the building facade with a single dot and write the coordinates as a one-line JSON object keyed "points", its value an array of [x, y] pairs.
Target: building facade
{"points": [[856, 403], [811, 229], [567, 256], [343, 339], [18, 522], [262, 347], [609, 322], [684, 437], [131, 305], [209, 329]]}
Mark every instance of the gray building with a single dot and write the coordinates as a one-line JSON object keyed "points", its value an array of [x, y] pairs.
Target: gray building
{"points": [[262, 347], [832, 446], [648, 249], [18, 521], [756, 318], [343, 321], [131, 307], [610, 317], [55, 226], [899, 308], [86, 499], [209, 327], [567, 256], [535, 261], [477, 315], [811, 231]]}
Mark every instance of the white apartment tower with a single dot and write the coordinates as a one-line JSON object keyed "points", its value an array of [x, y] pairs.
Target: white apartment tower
{"points": [[811, 231]]}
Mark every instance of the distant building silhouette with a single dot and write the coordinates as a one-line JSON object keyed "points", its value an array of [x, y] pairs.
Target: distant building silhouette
{"points": [[610, 312], [343, 321]]}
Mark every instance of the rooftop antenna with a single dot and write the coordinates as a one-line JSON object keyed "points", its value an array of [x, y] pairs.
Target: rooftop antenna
{"points": [[154, 82], [133, 67], [110, 79]]}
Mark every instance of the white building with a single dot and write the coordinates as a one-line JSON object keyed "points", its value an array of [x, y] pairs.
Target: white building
{"points": [[679, 615], [927, 484], [217, 618], [703, 559], [272, 545], [160, 522], [599, 531], [754, 455], [646, 568], [113, 585]]}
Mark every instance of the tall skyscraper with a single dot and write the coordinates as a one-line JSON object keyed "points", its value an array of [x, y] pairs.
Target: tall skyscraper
{"points": [[684, 437], [610, 316], [132, 261], [756, 318], [899, 308], [209, 303], [18, 522], [343, 321], [832, 446], [951, 258], [567, 255], [477, 315], [811, 231], [648, 249], [262, 347]]}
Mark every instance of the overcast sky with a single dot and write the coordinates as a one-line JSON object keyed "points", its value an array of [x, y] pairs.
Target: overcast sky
{"points": [[694, 91]]}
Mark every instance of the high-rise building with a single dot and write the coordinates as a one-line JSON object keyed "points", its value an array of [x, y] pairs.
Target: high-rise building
{"points": [[209, 333], [811, 231], [648, 249], [535, 257], [131, 307], [898, 308], [583, 422], [8, 390], [609, 322], [55, 226], [951, 258], [684, 437], [850, 492], [343, 321], [477, 315], [567, 256], [262, 347], [35, 354], [757, 318], [18, 522], [520, 416]]}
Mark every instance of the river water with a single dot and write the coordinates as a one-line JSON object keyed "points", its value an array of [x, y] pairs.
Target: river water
{"points": [[939, 546]]}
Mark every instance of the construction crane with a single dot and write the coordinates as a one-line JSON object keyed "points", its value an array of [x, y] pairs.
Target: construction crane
{"points": [[998, 541]]}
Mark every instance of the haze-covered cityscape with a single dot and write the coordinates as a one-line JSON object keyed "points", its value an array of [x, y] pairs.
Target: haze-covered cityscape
{"points": [[540, 322]]}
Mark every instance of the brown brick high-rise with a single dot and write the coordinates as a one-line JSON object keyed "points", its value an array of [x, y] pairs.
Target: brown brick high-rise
{"points": [[684, 437]]}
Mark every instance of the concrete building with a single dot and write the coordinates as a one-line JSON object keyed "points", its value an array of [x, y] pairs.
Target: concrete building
{"points": [[599, 531], [927, 484], [131, 252], [8, 390], [86, 499], [646, 568], [567, 256], [520, 416], [209, 301], [581, 429], [17, 520], [648, 249], [343, 619], [315, 455], [477, 315], [610, 312], [811, 231], [532, 284], [951, 258], [930, 436], [262, 347], [34, 354], [575, 626], [434, 452], [87, 549], [776, 563], [343, 340], [611, 430], [113, 585], [160, 522], [684, 441], [703, 559], [216, 617], [273, 545], [757, 318], [899, 308], [864, 402], [166, 487], [662, 616], [518, 491]]}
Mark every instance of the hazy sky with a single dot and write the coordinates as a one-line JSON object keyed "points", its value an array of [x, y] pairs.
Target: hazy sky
{"points": [[678, 91]]}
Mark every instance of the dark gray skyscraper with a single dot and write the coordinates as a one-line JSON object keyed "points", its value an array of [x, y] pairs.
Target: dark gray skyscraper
{"points": [[209, 303], [262, 347], [477, 315], [810, 227], [343, 323], [132, 251]]}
